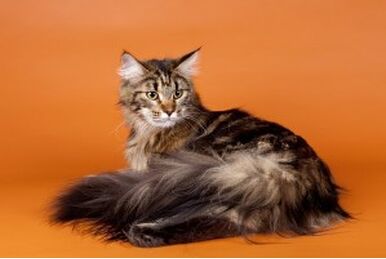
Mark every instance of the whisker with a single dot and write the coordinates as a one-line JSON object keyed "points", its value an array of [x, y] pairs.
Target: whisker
{"points": [[117, 128]]}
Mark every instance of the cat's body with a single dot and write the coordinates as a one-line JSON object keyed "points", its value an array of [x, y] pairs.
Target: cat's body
{"points": [[197, 174]]}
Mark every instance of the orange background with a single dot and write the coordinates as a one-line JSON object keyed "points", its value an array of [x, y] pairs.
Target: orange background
{"points": [[318, 67]]}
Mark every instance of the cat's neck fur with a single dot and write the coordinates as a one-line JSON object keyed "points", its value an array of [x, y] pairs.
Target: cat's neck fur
{"points": [[146, 140]]}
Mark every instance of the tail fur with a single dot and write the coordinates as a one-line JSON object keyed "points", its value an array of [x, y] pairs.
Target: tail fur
{"points": [[187, 187]]}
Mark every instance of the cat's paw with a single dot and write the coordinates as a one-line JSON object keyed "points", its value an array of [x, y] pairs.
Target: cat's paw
{"points": [[142, 236]]}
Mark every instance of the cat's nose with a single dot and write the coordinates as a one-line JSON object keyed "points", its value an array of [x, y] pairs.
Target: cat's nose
{"points": [[168, 108], [169, 112]]}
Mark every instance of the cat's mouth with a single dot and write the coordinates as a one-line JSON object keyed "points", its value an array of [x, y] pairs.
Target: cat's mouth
{"points": [[161, 120]]}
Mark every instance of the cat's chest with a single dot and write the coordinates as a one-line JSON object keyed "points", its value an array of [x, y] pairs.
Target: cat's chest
{"points": [[136, 153], [140, 148]]}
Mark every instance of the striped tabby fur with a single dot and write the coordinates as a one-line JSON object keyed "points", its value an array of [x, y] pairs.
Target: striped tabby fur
{"points": [[198, 174]]}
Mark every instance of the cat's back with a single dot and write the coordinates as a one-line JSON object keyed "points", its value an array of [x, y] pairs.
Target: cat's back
{"points": [[234, 130]]}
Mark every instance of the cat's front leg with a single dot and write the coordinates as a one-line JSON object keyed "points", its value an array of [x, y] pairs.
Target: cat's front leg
{"points": [[166, 232], [143, 236]]}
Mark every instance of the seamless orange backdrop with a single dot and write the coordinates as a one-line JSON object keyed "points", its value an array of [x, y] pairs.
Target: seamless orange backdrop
{"points": [[318, 67]]}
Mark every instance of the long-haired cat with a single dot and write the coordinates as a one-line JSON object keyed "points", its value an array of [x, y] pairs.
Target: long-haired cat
{"points": [[198, 174]]}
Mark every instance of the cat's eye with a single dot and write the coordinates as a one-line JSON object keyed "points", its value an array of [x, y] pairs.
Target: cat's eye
{"points": [[177, 94], [152, 95]]}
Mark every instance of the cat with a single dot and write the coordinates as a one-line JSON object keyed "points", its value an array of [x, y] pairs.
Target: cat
{"points": [[197, 174]]}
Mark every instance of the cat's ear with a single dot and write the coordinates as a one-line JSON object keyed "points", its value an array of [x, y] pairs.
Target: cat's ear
{"points": [[131, 68], [187, 65]]}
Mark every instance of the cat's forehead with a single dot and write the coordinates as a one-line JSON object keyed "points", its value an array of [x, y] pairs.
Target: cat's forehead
{"points": [[163, 66], [162, 70]]}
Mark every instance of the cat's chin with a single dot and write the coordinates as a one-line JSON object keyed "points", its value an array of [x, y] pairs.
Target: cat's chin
{"points": [[162, 123]]}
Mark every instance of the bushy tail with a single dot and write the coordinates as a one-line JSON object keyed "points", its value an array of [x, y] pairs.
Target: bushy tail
{"points": [[253, 192], [108, 204], [92, 200]]}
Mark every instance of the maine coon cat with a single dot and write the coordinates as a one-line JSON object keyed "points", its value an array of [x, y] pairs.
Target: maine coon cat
{"points": [[198, 174]]}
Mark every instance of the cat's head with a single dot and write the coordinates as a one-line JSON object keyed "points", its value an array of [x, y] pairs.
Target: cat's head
{"points": [[159, 92]]}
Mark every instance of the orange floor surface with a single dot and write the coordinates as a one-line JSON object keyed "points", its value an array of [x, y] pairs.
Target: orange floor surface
{"points": [[318, 67]]}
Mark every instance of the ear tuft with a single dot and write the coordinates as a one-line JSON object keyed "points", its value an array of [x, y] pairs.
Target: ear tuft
{"points": [[131, 69], [187, 64]]}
